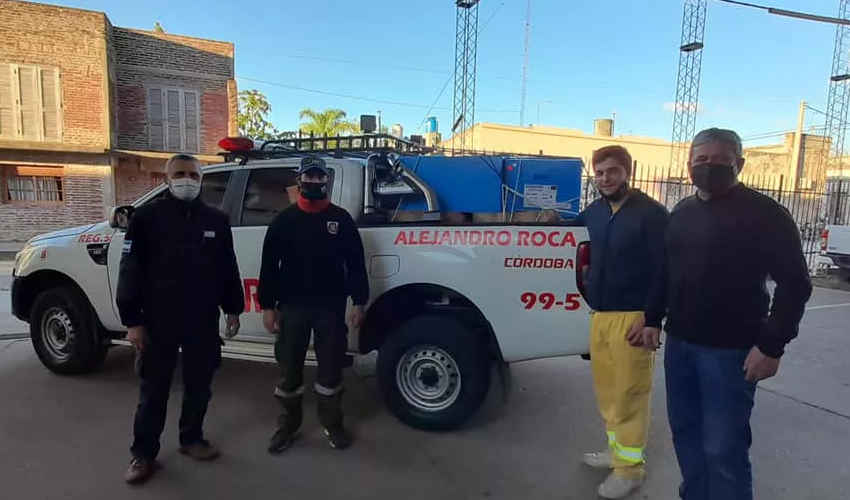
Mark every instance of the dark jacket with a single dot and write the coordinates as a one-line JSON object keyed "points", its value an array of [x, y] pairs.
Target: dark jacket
{"points": [[313, 259], [626, 254], [720, 254], [178, 267]]}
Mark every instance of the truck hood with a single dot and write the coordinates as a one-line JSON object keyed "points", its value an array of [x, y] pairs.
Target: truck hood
{"points": [[71, 231]]}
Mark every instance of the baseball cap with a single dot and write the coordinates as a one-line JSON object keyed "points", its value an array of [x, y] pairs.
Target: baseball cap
{"points": [[311, 162]]}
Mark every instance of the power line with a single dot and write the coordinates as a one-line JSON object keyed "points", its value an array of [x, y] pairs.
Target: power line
{"points": [[791, 13], [357, 97]]}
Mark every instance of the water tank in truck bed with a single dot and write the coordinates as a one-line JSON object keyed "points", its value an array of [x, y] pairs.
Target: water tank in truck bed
{"points": [[498, 184]]}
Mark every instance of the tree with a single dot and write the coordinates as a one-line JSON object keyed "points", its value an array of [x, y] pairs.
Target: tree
{"points": [[158, 28], [330, 122], [252, 118]]}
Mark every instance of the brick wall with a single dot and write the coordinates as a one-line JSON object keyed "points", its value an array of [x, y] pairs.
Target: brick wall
{"points": [[133, 178], [72, 40], [85, 180], [145, 59]]}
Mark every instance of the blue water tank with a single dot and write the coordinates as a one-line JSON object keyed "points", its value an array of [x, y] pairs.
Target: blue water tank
{"points": [[462, 184], [537, 183], [432, 124]]}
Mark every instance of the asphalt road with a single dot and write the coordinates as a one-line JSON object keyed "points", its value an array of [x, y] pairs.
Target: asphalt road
{"points": [[67, 437]]}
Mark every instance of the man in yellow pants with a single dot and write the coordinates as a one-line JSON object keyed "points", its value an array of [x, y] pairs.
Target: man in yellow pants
{"points": [[626, 273]]}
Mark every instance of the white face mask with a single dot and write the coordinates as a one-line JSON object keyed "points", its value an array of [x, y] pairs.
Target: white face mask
{"points": [[185, 189]]}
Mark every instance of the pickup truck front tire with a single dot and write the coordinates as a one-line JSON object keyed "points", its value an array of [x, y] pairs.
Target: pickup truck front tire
{"points": [[63, 330], [434, 372]]}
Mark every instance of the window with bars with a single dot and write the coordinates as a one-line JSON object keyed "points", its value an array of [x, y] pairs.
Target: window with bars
{"points": [[32, 184], [30, 103], [173, 119]]}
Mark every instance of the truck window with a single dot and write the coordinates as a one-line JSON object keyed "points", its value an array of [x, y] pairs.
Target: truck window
{"points": [[213, 187], [269, 191]]}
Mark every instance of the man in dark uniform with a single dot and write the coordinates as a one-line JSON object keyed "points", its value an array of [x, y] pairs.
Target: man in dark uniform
{"points": [[312, 261], [178, 268]]}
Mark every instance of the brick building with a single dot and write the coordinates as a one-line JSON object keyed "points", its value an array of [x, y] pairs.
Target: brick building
{"points": [[89, 112]]}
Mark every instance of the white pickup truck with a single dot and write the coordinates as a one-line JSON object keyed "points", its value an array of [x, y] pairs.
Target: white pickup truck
{"points": [[835, 244], [447, 301]]}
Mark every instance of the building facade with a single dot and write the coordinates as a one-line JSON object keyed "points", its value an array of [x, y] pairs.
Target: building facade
{"points": [[90, 112]]}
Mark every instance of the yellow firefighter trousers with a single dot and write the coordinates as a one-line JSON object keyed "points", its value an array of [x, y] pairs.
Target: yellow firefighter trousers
{"points": [[622, 379]]}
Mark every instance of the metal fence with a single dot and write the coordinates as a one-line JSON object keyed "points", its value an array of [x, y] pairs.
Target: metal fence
{"points": [[811, 208]]}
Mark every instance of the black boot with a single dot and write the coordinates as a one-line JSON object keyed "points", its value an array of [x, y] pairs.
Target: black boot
{"points": [[330, 416], [288, 423]]}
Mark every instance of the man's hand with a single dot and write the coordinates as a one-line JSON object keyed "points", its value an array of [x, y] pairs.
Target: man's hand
{"points": [[759, 366], [136, 336], [232, 325], [651, 337], [355, 317], [271, 321], [635, 334]]}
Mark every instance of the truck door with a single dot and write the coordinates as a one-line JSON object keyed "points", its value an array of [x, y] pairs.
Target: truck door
{"points": [[268, 191], [213, 188]]}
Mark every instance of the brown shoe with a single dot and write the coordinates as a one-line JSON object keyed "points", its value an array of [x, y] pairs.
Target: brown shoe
{"points": [[140, 470], [202, 450]]}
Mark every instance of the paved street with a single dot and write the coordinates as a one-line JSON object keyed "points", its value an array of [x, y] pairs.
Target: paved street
{"points": [[67, 437]]}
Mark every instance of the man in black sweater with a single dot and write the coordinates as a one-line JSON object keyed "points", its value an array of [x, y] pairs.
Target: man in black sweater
{"points": [[312, 262], [724, 334]]}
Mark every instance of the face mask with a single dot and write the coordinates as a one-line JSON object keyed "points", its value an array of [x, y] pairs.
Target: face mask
{"points": [[714, 178], [185, 189], [314, 190], [618, 194]]}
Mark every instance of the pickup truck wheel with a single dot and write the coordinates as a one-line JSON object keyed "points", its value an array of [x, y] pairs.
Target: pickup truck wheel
{"points": [[434, 372], [63, 332]]}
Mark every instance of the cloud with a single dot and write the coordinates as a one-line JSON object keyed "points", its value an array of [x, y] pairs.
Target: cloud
{"points": [[683, 106]]}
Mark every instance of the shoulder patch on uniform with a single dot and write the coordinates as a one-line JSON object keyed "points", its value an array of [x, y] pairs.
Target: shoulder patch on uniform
{"points": [[209, 234], [128, 244], [333, 227]]}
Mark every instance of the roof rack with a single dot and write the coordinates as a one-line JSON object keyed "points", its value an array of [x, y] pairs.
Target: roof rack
{"points": [[352, 146]]}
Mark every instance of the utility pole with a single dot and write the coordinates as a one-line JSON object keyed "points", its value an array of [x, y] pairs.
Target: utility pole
{"points": [[525, 68], [796, 171]]}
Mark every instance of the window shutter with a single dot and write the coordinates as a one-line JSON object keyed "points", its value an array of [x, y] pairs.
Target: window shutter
{"points": [[190, 105], [173, 125], [7, 117], [50, 103], [30, 120], [155, 120]]}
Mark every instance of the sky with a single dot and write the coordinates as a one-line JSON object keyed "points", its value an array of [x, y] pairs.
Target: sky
{"points": [[588, 59]]}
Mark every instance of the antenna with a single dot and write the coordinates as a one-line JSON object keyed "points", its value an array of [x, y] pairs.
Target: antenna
{"points": [[525, 64]]}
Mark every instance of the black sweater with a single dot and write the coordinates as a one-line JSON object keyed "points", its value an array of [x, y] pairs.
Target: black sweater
{"points": [[626, 255], [312, 259], [720, 254]]}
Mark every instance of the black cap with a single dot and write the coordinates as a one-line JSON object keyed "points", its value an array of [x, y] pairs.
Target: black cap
{"points": [[310, 163]]}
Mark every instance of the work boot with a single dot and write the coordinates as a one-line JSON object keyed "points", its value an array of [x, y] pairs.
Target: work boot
{"points": [[618, 486], [330, 416], [202, 451], [288, 423], [140, 470], [598, 459]]}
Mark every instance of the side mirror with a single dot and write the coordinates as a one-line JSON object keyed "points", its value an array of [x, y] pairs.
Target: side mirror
{"points": [[119, 217]]}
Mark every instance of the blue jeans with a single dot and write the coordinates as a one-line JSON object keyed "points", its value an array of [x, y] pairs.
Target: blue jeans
{"points": [[709, 404]]}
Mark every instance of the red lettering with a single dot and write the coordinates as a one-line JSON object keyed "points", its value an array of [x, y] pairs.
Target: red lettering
{"points": [[460, 237], [445, 238], [538, 238], [572, 303], [475, 238], [522, 238], [538, 262], [570, 263], [517, 262], [251, 297], [552, 236], [548, 263], [401, 238], [489, 238], [508, 261], [569, 238], [527, 262], [425, 238], [559, 263], [411, 238], [503, 238]]}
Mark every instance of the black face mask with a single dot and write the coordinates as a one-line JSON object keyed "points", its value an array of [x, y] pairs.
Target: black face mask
{"points": [[714, 178], [314, 190], [618, 194]]}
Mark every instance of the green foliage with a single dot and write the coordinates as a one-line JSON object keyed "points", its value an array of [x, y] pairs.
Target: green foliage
{"points": [[252, 119]]}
